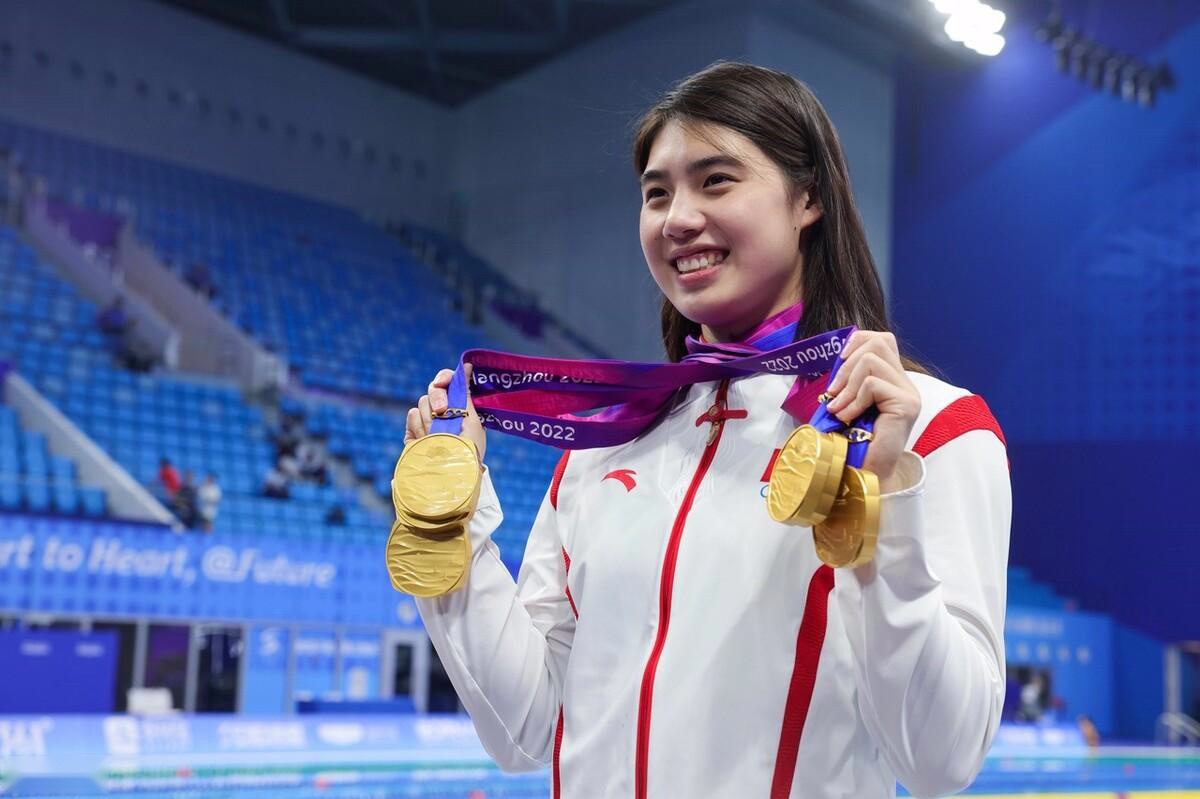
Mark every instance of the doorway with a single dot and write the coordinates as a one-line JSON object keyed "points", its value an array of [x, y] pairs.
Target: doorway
{"points": [[405, 668]]}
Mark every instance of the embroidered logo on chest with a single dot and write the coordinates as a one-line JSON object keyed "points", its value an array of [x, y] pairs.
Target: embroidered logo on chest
{"points": [[626, 477]]}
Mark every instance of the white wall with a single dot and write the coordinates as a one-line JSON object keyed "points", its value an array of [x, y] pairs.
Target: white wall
{"points": [[169, 49], [543, 166], [858, 92]]}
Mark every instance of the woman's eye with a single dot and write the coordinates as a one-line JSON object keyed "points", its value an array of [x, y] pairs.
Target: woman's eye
{"points": [[712, 180], [653, 194]]}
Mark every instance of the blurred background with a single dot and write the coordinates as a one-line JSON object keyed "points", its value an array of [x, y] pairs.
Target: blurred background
{"points": [[239, 237]]}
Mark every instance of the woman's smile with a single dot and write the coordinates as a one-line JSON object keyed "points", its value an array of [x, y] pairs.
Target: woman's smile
{"points": [[702, 259]]}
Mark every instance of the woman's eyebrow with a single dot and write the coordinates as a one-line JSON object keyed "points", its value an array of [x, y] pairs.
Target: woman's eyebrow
{"points": [[700, 165]]}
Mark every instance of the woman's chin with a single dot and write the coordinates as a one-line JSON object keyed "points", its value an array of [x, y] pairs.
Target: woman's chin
{"points": [[712, 315]]}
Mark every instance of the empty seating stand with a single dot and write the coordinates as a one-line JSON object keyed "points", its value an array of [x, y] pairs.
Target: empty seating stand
{"points": [[34, 480], [347, 305]]}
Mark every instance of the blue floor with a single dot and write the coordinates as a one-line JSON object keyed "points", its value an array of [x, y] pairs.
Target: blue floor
{"points": [[1121, 773]]}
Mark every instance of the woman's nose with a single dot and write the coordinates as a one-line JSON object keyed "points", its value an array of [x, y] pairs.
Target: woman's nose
{"points": [[683, 221]]}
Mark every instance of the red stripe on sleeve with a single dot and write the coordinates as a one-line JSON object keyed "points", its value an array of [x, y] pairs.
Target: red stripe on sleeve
{"points": [[559, 470], [809, 641], [558, 732], [961, 416], [558, 735], [567, 588]]}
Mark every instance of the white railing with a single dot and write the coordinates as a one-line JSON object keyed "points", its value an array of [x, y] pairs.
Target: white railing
{"points": [[97, 280], [1175, 728], [210, 343], [127, 498]]}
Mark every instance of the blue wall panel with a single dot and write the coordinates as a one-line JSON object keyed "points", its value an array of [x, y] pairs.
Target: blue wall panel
{"points": [[112, 568], [57, 671], [1138, 670], [265, 687], [1047, 256]]}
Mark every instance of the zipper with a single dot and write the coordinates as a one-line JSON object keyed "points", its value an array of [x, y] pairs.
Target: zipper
{"points": [[716, 416]]}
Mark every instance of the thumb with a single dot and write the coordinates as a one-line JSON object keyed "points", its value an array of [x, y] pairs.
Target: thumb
{"points": [[472, 414], [467, 371], [473, 425]]}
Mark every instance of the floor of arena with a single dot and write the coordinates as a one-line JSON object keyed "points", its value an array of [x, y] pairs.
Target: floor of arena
{"points": [[1105, 773]]}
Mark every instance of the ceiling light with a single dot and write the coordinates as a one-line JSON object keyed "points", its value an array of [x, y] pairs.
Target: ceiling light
{"points": [[973, 24]]}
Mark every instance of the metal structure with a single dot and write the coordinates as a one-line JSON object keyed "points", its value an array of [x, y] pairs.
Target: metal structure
{"points": [[448, 51]]}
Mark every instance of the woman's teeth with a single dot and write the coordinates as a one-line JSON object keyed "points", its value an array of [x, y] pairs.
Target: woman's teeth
{"points": [[700, 261]]}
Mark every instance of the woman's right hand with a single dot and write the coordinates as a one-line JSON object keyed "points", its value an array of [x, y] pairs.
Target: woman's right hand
{"points": [[420, 418]]}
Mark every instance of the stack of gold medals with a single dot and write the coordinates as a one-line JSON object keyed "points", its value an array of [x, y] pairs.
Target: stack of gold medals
{"points": [[812, 485], [434, 488]]}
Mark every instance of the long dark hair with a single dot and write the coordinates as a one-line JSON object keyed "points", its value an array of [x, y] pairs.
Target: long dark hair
{"points": [[785, 120]]}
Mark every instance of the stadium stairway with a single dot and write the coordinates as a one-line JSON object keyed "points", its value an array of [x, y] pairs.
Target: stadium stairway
{"points": [[35, 480], [48, 465], [1025, 591], [47, 331]]}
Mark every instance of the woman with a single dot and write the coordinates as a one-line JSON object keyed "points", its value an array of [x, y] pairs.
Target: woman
{"points": [[665, 637]]}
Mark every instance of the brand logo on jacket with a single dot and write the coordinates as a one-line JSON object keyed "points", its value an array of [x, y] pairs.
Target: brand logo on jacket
{"points": [[625, 477]]}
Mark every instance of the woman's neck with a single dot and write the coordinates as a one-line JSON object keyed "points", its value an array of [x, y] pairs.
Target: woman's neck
{"points": [[743, 331]]}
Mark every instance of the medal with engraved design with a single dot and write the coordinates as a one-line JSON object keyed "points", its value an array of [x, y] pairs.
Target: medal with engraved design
{"points": [[427, 564], [848, 535], [434, 489], [817, 480], [437, 478], [805, 477]]}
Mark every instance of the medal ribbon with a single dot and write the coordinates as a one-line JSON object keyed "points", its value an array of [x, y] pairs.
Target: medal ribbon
{"points": [[583, 404], [826, 422]]}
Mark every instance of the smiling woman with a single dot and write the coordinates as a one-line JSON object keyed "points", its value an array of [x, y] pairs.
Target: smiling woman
{"points": [[667, 636]]}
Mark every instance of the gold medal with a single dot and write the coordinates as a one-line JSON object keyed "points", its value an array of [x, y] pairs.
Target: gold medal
{"points": [[437, 478], [434, 489], [805, 477], [428, 564], [427, 527], [847, 537]]}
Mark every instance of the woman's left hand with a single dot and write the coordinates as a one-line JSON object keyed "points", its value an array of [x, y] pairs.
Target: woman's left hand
{"points": [[873, 375]]}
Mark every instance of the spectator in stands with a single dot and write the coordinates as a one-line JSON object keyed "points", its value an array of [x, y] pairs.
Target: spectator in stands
{"points": [[185, 500], [312, 463], [113, 320], [1031, 698], [288, 437], [336, 515], [168, 476], [290, 466], [276, 484], [209, 497], [1087, 728], [199, 277]]}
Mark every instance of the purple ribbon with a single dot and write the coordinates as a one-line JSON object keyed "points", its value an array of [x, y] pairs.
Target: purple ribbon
{"points": [[826, 422], [583, 404]]}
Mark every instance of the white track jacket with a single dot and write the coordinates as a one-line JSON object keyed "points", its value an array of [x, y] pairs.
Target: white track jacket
{"points": [[666, 639]]}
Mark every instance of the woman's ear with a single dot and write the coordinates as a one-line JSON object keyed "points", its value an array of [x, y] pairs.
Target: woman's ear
{"points": [[808, 210]]}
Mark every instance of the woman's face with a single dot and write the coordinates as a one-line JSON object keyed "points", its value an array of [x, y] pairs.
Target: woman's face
{"points": [[719, 232]]}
